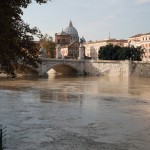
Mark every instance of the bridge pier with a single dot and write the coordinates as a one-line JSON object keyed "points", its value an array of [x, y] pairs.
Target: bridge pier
{"points": [[81, 67], [43, 70]]}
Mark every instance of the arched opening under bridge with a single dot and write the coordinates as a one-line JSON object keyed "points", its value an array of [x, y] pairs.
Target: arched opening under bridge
{"points": [[62, 69]]}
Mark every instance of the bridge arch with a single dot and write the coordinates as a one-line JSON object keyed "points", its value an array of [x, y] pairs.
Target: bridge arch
{"points": [[63, 68]]}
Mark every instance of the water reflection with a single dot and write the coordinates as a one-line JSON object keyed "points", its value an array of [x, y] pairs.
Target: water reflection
{"points": [[70, 88], [63, 95], [138, 87]]}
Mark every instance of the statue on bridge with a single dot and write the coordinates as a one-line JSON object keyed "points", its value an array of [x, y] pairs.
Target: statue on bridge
{"points": [[42, 52], [81, 40], [58, 50], [81, 49]]}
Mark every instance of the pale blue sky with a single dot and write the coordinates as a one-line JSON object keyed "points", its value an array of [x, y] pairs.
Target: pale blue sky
{"points": [[93, 19]]}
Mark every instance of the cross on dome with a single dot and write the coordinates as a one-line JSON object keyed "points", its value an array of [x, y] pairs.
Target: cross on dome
{"points": [[70, 23]]}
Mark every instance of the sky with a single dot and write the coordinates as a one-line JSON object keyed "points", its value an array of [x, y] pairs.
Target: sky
{"points": [[93, 19]]}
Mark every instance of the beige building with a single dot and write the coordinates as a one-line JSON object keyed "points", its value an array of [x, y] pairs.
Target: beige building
{"points": [[71, 50], [135, 40], [145, 43], [142, 40], [92, 48]]}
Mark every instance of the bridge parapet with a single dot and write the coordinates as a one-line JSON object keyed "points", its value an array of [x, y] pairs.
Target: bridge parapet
{"points": [[107, 68]]}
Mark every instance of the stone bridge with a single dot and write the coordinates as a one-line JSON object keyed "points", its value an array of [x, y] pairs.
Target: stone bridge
{"points": [[64, 66], [83, 66]]}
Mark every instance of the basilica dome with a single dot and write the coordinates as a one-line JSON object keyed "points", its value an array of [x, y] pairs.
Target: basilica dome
{"points": [[72, 32]]}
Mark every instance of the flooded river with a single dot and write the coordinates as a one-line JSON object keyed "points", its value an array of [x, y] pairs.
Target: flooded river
{"points": [[76, 113]]}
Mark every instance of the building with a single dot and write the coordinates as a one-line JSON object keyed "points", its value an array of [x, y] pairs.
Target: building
{"points": [[62, 38], [145, 43], [92, 48], [71, 50], [69, 41], [135, 40], [142, 40]]}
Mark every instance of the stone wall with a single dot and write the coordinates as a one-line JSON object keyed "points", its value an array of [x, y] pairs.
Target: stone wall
{"points": [[140, 69], [107, 68]]}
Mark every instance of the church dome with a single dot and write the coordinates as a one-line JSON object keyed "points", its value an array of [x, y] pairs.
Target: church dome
{"points": [[71, 30]]}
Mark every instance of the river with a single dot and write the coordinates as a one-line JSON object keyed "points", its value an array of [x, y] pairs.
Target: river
{"points": [[76, 113]]}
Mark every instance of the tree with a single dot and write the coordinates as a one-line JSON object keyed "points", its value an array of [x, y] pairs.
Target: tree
{"points": [[48, 43], [104, 52], [17, 44], [110, 52]]}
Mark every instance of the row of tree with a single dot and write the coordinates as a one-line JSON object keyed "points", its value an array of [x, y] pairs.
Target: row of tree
{"points": [[110, 52]]}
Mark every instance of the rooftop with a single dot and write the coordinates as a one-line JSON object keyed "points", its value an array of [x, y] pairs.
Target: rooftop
{"points": [[137, 35]]}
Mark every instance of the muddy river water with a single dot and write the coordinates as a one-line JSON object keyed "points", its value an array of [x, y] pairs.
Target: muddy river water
{"points": [[76, 113]]}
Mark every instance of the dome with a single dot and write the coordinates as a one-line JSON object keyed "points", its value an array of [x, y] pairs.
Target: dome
{"points": [[62, 33], [71, 30]]}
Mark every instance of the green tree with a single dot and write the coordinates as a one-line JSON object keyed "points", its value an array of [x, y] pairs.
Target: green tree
{"points": [[48, 43], [110, 52], [136, 53], [17, 44], [104, 52]]}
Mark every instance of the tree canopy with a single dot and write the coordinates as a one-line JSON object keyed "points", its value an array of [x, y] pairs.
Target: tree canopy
{"points": [[47, 42], [17, 44], [110, 52]]}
